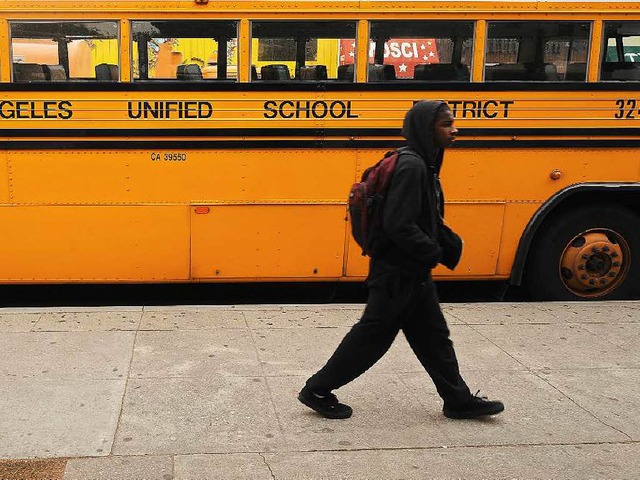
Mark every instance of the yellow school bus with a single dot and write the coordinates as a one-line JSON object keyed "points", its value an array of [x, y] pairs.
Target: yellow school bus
{"points": [[203, 141]]}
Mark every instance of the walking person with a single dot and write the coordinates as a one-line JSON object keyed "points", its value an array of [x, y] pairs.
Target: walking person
{"points": [[402, 294]]}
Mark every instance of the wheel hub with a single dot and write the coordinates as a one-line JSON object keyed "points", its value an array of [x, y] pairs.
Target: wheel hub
{"points": [[594, 263]]}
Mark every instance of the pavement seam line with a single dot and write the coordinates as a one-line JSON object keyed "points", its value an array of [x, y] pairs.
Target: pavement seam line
{"points": [[401, 448], [537, 375], [264, 379], [519, 362], [458, 447], [142, 312], [581, 327], [267, 464], [124, 392], [33, 328], [581, 407], [585, 327]]}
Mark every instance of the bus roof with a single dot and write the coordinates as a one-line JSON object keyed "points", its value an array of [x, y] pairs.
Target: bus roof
{"points": [[25, 8]]}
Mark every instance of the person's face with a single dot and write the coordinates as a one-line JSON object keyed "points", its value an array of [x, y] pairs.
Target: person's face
{"points": [[445, 131]]}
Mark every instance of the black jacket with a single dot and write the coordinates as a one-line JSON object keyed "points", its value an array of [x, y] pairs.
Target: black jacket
{"points": [[414, 204]]}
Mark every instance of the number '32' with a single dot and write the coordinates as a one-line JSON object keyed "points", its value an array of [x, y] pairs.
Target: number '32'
{"points": [[626, 108]]}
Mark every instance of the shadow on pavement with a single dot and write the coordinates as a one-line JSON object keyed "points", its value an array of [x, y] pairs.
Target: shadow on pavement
{"points": [[228, 294]]}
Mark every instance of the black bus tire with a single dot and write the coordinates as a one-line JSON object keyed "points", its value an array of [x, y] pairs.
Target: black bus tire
{"points": [[591, 253]]}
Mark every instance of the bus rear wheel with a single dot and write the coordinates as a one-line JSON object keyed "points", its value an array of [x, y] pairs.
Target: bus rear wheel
{"points": [[590, 253]]}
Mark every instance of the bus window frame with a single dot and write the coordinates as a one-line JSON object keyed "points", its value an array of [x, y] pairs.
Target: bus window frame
{"points": [[300, 61], [539, 52], [379, 49], [619, 44], [132, 37], [62, 52]]}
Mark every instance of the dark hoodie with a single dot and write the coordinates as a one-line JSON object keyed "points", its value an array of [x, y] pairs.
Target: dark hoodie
{"points": [[414, 202]]}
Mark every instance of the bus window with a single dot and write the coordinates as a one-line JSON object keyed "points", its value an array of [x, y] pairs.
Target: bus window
{"points": [[63, 51], [621, 51], [306, 51], [420, 50], [189, 50], [537, 51]]}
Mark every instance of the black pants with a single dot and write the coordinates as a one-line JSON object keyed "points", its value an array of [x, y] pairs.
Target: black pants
{"points": [[397, 300]]}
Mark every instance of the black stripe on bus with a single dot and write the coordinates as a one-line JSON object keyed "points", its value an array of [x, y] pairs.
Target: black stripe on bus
{"points": [[297, 144], [293, 86], [307, 132]]}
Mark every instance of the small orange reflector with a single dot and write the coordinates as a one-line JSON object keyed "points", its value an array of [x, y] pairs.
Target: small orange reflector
{"points": [[202, 210]]}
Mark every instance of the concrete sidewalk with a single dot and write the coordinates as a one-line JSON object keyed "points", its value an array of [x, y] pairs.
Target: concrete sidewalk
{"points": [[210, 393]]}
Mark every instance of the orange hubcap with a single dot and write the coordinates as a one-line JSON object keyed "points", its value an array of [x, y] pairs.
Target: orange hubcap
{"points": [[594, 263]]}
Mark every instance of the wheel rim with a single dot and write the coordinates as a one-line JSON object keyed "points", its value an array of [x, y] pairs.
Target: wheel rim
{"points": [[594, 263]]}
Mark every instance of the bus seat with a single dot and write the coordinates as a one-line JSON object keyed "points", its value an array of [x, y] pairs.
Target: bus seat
{"points": [[54, 73], [389, 72], [505, 71], [576, 72], [441, 72], [254, 72], [381, 73], [551, 72], [345, 73], [189, 71], [107, 72], [313, 72], [28, 72], [515, 71], [275, 72], [620, 71], [375, 73]]}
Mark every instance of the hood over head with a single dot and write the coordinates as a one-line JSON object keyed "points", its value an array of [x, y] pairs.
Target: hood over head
{"points": [[418, 129]]}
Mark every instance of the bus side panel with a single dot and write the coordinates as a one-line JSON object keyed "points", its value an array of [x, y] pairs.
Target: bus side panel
{"points": [[94, 243], [181, 176], [479, 226], [516, 219], [267, 241], [4, 178]]}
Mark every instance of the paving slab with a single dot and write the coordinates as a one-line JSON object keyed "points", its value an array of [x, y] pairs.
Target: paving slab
{"points": [[301, 351], [501, 313], [18, 322], [89, 321], [72, 309], [536, 413], [626, 336], [610, 395], [387, 414], [180, 416], [229, 466], [191, 353], [548, 346], [77, 355], [120, 468], [200, 318], [535, 462], [58, 417], [319, 317], [476, 352], [595, 312], [198, 392]]}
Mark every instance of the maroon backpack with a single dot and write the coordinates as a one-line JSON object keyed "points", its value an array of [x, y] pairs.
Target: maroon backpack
{"points": [[366, 200]]}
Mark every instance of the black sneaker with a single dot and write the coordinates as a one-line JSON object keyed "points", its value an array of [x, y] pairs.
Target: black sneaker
{"points": [[476, 407], [326, 405]]}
